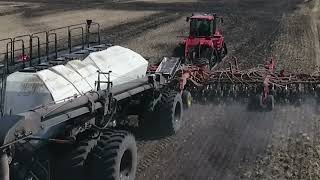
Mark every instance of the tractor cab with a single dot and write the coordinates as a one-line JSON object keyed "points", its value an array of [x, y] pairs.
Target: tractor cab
{"points": [[203, 25]]}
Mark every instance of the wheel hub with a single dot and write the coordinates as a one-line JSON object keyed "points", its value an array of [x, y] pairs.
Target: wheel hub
{"points": [[126, 165]]}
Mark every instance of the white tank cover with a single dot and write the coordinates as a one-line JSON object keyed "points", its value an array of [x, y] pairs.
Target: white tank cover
{"points": [[26, 90]]}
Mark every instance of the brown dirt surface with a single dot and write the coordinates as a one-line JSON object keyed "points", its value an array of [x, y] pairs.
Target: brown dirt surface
{"points": [[18, 18], [218, 142]]}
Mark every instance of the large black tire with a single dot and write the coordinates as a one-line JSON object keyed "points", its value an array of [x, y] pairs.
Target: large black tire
{"points": [[170, 111], [166, 117], [224, 50], [71, 165], [179, 51], [113, 158], [99, 159], [146, 119], [214, 59], [187, 99]]}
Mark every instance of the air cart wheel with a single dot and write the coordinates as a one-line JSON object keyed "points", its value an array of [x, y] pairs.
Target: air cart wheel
{"points": [[113, 158], [169, 112], [187, 99]]}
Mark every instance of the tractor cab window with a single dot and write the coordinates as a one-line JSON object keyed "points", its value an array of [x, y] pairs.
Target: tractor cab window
{"points": [[201, 27]]}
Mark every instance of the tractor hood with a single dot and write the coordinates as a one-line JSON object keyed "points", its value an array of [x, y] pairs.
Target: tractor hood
{"points": [[189, 42]]}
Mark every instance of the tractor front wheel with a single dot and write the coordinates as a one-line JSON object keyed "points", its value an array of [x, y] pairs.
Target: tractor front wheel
{"points": [[179, 51]]}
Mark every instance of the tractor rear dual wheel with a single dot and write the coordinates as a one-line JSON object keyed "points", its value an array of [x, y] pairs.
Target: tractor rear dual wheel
{"points": [[179, 50], [112, 157]]}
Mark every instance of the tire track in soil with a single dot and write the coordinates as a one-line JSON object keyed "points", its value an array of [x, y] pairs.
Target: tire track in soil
{"points": [[154, 149], [125, 32]]}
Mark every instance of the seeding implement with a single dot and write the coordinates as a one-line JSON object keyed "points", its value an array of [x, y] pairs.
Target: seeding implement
{"points": [[262, 86]]}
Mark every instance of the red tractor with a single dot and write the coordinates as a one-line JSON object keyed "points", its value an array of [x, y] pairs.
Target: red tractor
{"points": [[205, 43]]}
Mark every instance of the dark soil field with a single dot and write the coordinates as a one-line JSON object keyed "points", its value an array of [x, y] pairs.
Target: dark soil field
{"points": [[217, 142]]}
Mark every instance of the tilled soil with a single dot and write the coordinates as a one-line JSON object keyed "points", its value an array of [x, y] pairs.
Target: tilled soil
{"points": [[227, 141], [222, 141], [293, 152]]}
